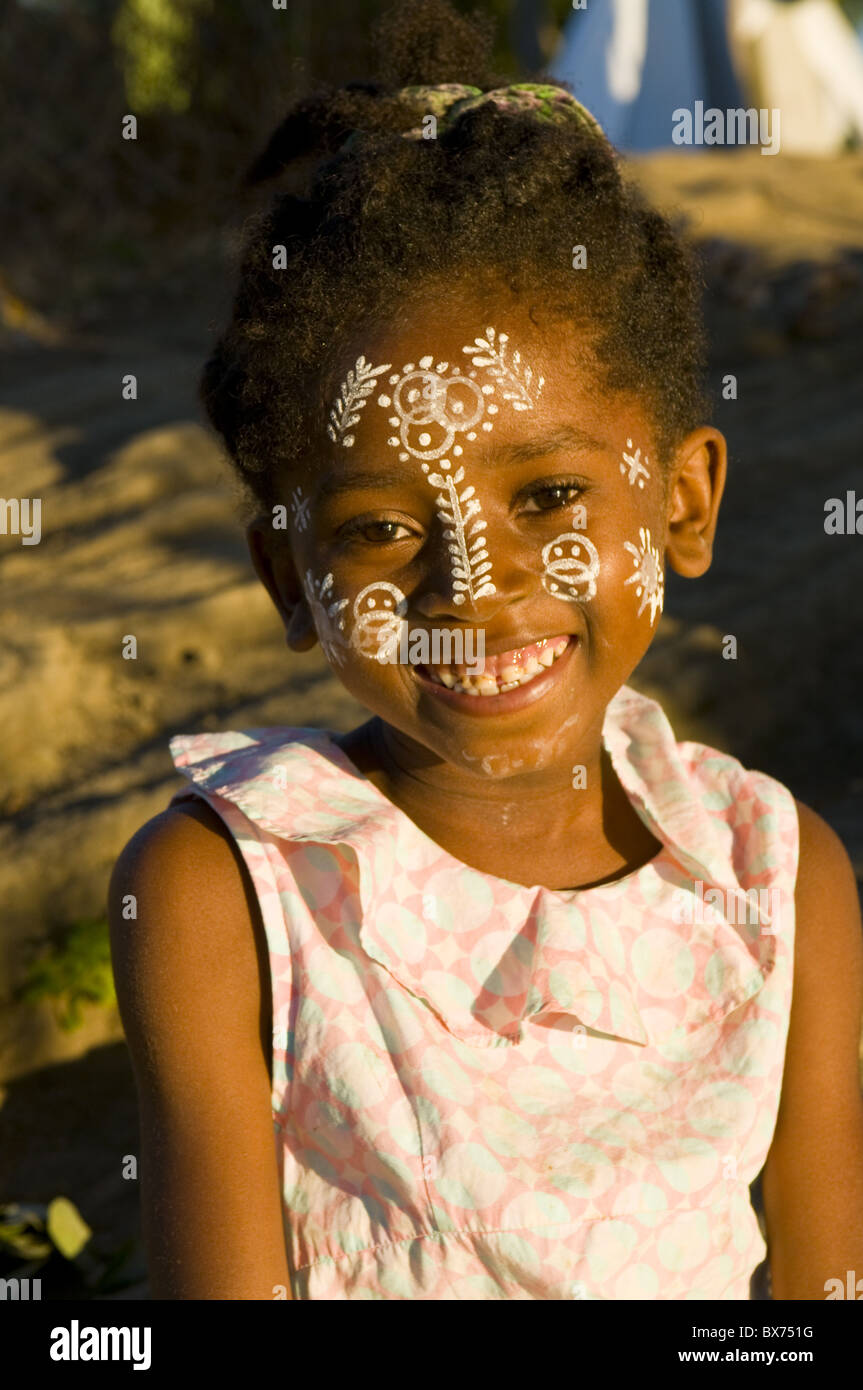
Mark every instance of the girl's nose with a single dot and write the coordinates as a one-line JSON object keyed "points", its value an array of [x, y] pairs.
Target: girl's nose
{"points": [[460, 586]]}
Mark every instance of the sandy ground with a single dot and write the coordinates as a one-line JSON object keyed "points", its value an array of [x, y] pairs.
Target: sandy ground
{"points": [[140, 537]]}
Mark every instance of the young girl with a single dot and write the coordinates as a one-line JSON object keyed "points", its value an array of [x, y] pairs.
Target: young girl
{"points": [[528, 992]]}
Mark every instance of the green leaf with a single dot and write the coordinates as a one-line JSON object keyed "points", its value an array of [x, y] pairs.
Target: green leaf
{"points": [[73, 968], [22, 1231], [24, 1243], [67, 1228]]}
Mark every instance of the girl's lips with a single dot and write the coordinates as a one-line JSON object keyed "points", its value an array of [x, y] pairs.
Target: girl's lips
{"points": [[510, 700]]}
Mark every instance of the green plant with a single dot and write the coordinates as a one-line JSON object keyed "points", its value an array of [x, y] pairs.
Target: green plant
{"points": [[74, 969], [51, 1240]]}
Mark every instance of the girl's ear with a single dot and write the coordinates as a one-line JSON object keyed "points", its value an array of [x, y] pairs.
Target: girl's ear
{"points": [[695, 491], [274, 565]]}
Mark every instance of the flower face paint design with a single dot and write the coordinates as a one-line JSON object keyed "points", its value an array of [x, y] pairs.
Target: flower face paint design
{"points": [[469, 562], [637, 470], [327, 614], [300, 509], [571, 575], [435, 405], [431, 409], [353, 393], [491, 354], [649, 579], [379, 611]]}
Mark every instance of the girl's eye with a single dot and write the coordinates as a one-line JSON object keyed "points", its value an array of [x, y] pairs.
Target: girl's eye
{"points": [[376, 532], [552, 495]]}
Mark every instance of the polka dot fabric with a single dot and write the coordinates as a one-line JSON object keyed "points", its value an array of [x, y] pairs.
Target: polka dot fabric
{"points": [[488, 1091]]}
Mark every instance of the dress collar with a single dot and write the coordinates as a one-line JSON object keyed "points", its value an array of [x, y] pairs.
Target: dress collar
{"points": [[494, 954]]}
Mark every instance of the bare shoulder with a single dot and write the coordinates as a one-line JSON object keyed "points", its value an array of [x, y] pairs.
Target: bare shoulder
{"points": [[192, 977], [829, 936], [186, 933], [813, 1175], [819, 843]]}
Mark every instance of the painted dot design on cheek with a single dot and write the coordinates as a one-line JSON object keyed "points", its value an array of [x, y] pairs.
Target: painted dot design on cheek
{"points": [[649, 578], [379, 611], [327, 615], [570, 567], [637, 470]]}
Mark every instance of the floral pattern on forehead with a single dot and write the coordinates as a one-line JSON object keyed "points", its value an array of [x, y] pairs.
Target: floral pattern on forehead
{"points": [[436, 405]]}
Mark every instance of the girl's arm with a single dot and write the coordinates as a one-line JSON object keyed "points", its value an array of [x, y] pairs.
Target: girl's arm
{"points": [[192, 978], [813, 1177]]}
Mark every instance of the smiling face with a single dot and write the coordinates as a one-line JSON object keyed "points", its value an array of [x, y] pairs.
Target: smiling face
{"points": [[477, 477]]}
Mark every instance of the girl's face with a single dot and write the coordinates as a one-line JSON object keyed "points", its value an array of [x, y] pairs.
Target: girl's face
{"points": [[477, 481]]}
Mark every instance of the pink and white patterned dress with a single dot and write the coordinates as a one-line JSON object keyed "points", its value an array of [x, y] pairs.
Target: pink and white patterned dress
{"points": [[486, 1091]]}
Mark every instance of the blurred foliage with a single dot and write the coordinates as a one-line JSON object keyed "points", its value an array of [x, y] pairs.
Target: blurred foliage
{"points": [[72, 970], [88, 216], [50, 1243], [155, 40]]}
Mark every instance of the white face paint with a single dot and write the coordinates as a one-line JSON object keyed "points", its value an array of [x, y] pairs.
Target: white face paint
{"points": [[353, 393], [379, 611], [328, 616], [435, 407], [570, 567], [637, 470], [495, 764], [300, 509], [514, 378], [432, 409], [649, 578]]}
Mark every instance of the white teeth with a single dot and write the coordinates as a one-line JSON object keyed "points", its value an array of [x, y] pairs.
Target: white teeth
{"points": [[508, 679]]}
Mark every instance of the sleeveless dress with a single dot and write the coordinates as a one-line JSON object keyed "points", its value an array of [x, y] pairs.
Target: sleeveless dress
{"points": [[483, 1090]]}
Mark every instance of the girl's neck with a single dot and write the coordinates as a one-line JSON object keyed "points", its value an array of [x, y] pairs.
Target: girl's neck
{"points": [[528, 831]]}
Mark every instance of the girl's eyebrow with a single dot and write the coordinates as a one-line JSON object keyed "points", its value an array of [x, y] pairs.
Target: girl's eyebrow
{"points": [[565, 437], [338, 483]]}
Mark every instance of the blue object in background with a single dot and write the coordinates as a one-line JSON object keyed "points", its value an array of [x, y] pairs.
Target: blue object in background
{"points": [[686, 58]]}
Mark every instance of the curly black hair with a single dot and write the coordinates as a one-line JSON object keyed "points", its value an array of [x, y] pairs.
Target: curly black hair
{"points": [[498, 197]]}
